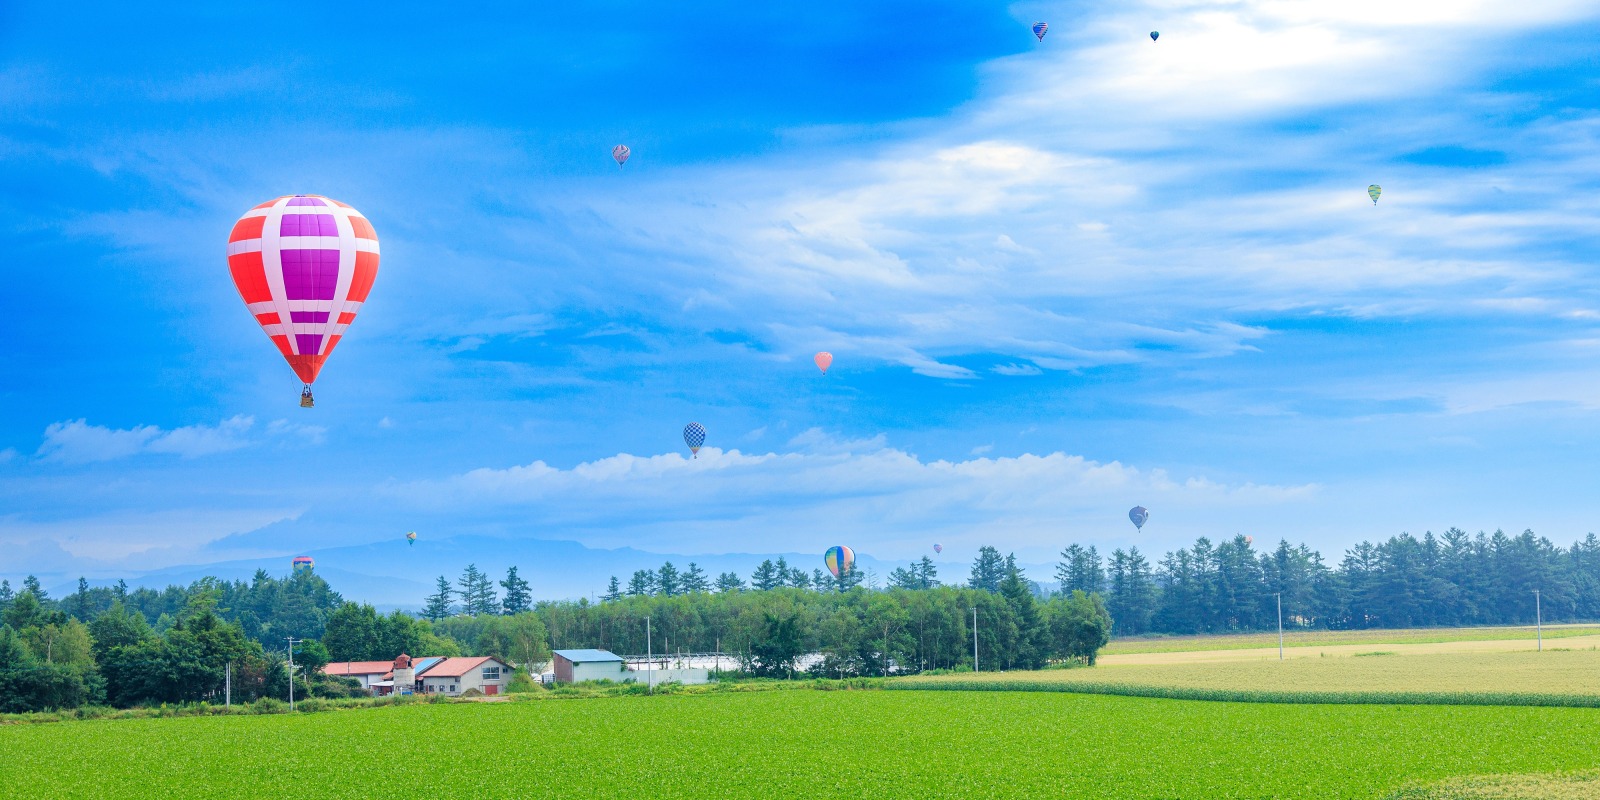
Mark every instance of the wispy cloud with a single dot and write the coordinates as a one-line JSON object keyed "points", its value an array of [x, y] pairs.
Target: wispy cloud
{"points": [[877, 495], [78, 442]]}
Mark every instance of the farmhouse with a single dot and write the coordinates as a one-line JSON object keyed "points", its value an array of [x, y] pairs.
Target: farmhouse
{"points": [[457, 675], [431, 675], [572, 666]]}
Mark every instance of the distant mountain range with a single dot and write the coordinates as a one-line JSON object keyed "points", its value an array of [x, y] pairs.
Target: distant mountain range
{"points": [[396, 575]]}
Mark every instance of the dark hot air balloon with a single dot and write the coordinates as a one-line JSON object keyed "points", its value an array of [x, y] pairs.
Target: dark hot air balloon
{"points": [[1139, 515]]}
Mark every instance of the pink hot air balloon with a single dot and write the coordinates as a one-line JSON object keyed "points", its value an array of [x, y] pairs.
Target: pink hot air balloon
{"points": [[303, 265], [824, 360], [621, 153], [938, 548]]}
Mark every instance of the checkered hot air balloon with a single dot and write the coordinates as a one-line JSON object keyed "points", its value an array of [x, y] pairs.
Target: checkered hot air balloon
{"points": [[840, 559], [1139, 515], [694, 435], [303, 264], [1039, 28], [621, 153]]}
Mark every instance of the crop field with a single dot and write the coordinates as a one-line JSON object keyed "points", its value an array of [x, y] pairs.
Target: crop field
{"points": [[1292, 638], [845, 744], [1554, 677]]}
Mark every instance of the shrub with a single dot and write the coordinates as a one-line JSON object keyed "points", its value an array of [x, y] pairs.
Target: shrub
{"points": [[269, 705]]}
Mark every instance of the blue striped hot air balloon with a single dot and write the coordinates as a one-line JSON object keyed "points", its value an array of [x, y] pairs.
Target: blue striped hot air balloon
{"points": [[840, 559], [694, 435], [1039, 28]]}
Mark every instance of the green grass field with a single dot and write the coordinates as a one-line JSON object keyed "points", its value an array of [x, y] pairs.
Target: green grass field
{"points": [[1247, 641], [1519, 678], [850, 744]]}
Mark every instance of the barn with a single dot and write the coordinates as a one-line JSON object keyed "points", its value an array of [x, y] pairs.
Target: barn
{"points": [[573, 666]]}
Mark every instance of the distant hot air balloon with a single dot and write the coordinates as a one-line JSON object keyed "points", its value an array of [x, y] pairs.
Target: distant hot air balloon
{"points": [[824, 360], [621, 153], [1373, 191], [1139, 515], [1039, 28], [411, 538], [1154, 35], [938, 548], [840, 559], [694, 435], [303, 264], [303, 564], [1249, 540]]}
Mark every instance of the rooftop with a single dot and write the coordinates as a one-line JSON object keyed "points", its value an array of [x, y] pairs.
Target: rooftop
{"points": [[454, 667], [358, 667], [588, 656]]}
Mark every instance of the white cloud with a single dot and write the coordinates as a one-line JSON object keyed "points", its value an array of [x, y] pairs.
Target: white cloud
{"points": [[79, 442], [1016, 369], [872, 493]]}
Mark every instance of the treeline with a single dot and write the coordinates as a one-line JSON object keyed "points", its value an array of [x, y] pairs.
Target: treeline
{"points": [[857, 632], [50, 659], [266, 609], [1451, 579]]}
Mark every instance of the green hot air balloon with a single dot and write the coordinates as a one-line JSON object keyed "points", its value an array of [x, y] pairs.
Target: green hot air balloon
{"points": [[1373, 191]]}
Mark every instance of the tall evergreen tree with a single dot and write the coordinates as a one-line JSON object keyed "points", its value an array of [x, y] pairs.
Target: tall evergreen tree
{"points": [[437, 605], [1133, 592], [988, 570], [31, 584], [798, 578], [1080, 570], [642, 583], [766, 576], [694, 580], [729, 582], [1032, 646], [668, 581], [613, 591], [518, 598]]}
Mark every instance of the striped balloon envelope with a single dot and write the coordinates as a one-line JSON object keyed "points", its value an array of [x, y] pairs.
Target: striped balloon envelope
{"points": [[620, 154], [1039, 29], [840, 559], [303, 265]]}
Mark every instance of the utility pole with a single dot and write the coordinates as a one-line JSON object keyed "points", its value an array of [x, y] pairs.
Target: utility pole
{"points": [[291, 641], [227, 686], [974, 640], [1280, 624], [649, 657], [1538, 618]]}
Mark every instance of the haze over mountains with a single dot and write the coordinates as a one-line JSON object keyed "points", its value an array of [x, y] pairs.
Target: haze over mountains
{"points": [[394, 575]]}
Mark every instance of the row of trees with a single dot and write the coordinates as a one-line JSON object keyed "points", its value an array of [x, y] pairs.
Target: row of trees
{"points": [[1451, 579], [267, 609], [52, 659]]}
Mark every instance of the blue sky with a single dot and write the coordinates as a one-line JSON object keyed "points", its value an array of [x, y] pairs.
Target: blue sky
{"points": [[1059, 278]]}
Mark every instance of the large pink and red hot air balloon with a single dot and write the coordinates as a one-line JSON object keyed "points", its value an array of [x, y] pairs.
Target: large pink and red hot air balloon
{"points": [[303, 264], [824, 360]]}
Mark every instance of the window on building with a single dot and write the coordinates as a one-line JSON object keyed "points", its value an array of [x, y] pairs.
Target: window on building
{"points": [[491, 673]]}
